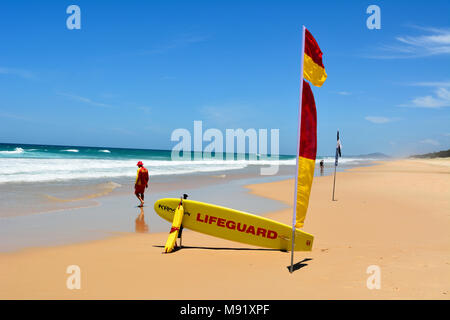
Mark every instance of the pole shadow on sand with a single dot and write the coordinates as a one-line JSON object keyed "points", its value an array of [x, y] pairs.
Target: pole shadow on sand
{"points": [[299, 265]]}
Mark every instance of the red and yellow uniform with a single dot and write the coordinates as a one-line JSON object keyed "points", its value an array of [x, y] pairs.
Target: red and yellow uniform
{"points": [[141, 180]]}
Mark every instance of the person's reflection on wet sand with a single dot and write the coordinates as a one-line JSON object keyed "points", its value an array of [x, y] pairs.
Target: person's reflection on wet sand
{"points": [[141, 226]]}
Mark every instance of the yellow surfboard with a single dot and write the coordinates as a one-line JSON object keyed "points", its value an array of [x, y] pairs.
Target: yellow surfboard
{"points": [[175, 229], [234, 225]]}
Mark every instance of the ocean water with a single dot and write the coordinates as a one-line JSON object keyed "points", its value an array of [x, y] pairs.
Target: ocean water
{"points": [[44, 163], [51, 195]]}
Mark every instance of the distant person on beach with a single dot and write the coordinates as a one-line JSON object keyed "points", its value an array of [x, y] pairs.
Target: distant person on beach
{"points": [[321, 167], [141, 182]]}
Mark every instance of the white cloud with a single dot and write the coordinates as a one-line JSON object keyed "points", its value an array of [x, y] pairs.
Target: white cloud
{"points": [[344, 93], [85, 100], [440, 100], [430, 141], [443, 93], [440, 84], [378, 120], [436, 42]]}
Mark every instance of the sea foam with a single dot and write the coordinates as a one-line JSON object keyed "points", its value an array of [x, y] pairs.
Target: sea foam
{"points": [[15, 151]]}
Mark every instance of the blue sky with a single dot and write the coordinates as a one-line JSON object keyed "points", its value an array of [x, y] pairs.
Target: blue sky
{"points": [[137, 70]]}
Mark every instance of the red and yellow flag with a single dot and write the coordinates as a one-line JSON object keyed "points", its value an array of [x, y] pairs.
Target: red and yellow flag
{"points": [[307, 153], [313, 69]]}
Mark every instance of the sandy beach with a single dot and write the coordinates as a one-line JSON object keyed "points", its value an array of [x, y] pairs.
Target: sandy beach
{"points": [[395, 215]]}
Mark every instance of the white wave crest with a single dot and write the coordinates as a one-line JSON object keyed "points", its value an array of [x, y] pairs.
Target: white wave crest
{"points": [[35, 170], [15, 151], [350, 161]]}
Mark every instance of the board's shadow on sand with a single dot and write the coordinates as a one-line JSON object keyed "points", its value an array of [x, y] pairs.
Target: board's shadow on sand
{"points": [[296, 266], [221, 248]]}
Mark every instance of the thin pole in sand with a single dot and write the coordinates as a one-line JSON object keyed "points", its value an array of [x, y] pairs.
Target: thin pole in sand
{"points": [[334, 182], [298, 151], [181, 236], [338, 153]]}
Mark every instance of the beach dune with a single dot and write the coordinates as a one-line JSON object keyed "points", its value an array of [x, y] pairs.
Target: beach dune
{"points": [[393, 215]]}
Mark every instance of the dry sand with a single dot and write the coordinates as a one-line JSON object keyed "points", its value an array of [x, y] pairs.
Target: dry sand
{"points": [[395, 215]]}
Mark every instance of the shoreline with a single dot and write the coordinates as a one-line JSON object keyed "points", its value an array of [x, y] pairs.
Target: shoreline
{"points": [[366, 226], [77, 194], [21, 198], [118, 213], [18, 232]]}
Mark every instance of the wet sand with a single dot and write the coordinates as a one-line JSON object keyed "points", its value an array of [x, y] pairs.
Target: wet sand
{"points": [[395, 215], [118, 212]]}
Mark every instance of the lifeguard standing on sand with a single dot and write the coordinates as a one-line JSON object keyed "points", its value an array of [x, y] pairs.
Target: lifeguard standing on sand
{"points": [[141, 182]]}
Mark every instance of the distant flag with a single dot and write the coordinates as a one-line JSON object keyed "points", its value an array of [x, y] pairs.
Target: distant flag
{"points": [[338, 154], [338, 149]]}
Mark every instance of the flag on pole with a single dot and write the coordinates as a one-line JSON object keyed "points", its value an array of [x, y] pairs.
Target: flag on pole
{"points": [[307, 153], [313, 68], [338, 150], [314, 71]]}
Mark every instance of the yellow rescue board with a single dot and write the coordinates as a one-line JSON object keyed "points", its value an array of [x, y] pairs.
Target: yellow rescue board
{"points": [[234, 225], [175, 229]]}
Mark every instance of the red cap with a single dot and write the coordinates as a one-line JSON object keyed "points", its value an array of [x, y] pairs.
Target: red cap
{"points": [[140, 163]]}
